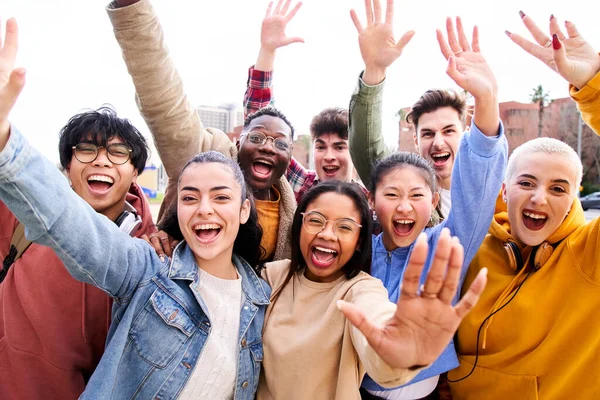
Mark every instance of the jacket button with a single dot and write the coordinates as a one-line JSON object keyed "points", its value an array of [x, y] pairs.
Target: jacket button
{"points": [[245, 385], [207, 323], [244, 342]]}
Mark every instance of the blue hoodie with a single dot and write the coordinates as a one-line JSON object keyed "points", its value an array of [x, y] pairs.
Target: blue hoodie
{"points": [[477, 176]]}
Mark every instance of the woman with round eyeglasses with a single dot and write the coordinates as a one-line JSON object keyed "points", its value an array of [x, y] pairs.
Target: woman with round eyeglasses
{"points": [[314, 351]]}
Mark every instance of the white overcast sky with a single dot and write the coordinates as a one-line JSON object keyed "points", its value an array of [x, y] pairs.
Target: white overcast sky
{"points": [[73, 60]]}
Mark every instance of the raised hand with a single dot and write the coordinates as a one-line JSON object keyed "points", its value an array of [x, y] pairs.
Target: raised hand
{"points": [[572, 57], [466, 65], [425, 319], [11, 80], [162, 243], [272, 32], [378, 46]]}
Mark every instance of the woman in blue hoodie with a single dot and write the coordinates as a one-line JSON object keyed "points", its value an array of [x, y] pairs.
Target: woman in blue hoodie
{"points": [[404, 192]]}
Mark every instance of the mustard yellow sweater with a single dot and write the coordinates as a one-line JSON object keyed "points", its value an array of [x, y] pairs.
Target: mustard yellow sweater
{"points": [[546, 343]]}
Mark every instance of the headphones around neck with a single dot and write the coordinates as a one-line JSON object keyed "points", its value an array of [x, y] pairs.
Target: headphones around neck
{"points": [[129, 222], [538, 257]]}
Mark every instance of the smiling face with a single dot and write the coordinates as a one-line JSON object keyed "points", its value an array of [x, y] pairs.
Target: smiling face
{"points": [[325, 255], [210, 211], [332, 158], [437, 139], [539, 195], [264, 164], [102, 184], [403, 203]]}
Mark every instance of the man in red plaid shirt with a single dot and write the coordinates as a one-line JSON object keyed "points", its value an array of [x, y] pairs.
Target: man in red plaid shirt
{"points": [[328, 129]]}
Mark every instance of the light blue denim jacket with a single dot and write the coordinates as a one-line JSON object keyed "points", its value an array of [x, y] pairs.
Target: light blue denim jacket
{"points": [[160, 323]]}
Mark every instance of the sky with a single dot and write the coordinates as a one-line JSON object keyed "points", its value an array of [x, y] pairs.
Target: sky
{"points": [[73, 61]]}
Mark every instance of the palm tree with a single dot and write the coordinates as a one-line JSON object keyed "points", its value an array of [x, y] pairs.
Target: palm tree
{"points": [[542, 99]]}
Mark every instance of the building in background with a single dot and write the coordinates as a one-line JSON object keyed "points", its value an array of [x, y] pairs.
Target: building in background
{"points": [[224, 117]]}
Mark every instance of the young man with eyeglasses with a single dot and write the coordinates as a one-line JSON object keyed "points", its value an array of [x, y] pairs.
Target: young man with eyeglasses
{"points": [[179, 134], [53, 328]]}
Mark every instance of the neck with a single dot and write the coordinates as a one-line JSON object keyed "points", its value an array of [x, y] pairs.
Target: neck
{"points": [[263, 194], [114, 212], [445, 183], [221, 266]]}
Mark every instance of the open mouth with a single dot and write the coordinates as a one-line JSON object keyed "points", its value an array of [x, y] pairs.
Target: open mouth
{"points": [[534, 220], [322, 257], [440, 159], [331, 170], [403, 227], [262, 169], [207, 233], [100, 183]]}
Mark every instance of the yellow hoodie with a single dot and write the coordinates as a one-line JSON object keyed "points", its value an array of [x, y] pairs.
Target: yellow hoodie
{"points": [[545, 344]]}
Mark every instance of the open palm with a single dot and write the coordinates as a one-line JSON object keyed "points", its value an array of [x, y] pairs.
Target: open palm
{"points": [[575, 60], [425, 320], [272, 33]]}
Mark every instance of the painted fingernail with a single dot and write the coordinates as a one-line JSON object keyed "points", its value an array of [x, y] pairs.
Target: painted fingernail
{"points": [[162, 258], [507, 33], [555, 42], [521, 14], [551, 17]]}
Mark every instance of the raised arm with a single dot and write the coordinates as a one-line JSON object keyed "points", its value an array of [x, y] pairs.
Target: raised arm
{"points": [[480, 163], [259, 91], [379, 50], [91, 246], [173, 121], [424, 321], [572, 57]]}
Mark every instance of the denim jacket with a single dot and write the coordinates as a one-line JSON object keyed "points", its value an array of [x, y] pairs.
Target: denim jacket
{"points": [[160, 323]]}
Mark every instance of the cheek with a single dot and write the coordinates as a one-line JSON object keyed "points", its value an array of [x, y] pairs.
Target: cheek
{"points": [[384, 209]]}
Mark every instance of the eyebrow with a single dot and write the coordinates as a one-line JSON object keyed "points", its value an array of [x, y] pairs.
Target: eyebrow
{"points": [[266, 129], [214, 189], [444, 128], [398, 190], [553, 180]]}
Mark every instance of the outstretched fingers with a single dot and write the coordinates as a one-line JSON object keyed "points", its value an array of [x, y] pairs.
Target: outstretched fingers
{"points": [[437, 271], [356, 21], [412, 273], [11, 41], [462, 38], [572, 30], [291, 14], [470, 299], [389, 12], [527, 45], [444, 48], [453, 272], [540, 37]]}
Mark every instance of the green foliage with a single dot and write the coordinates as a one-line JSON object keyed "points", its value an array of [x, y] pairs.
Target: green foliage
{"points": [[588, 188]]}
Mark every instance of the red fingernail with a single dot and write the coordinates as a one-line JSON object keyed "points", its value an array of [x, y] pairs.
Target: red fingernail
{"points": [[507, 33], [555, 42], [551, 17], [521, 14]]}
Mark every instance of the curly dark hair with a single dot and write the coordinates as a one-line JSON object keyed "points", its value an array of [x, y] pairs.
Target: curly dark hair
{"points": [[272, 112], [102, 125]]}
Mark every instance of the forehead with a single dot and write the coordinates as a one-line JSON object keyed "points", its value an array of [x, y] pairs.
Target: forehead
{"points": [[204, 176], [99, 139], [405, 177], [546, 167], [269, 124], [334, 206], [330, 138], [440, 118]]}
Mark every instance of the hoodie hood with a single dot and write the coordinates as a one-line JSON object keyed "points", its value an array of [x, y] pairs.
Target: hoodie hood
{"points": [[138, 200]]}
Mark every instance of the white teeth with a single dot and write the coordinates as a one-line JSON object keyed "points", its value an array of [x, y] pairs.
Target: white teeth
{"points": [[404, 221], [206, 226], [534, 216], [263, 162], [101, 178], [331, 167], [325, 250], [445, 154]]}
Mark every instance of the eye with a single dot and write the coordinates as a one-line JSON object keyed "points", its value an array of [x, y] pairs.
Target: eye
{"points": [[222, 197], [558, 189], [340, 148], [525, 184], [188, 198], [346, 227], [391, 195], [281, 144], [319, 147], [255, 137], [426, 134], [418, 195]]}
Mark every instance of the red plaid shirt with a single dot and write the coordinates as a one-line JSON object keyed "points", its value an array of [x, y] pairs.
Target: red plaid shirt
{"points": [[259, 94]]}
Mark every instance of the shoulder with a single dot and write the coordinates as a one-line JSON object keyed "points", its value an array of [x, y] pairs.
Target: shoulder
{"points": [[364, 285], [275, 272]]}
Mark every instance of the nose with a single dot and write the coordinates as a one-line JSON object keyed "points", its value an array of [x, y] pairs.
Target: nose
{"points": [[329, 155], [539, 196], [102, 158], [268, 147], [327, 232], [438, 140], [403, 206], [205, 206]]}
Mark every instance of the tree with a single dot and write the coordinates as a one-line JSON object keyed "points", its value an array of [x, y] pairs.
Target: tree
{"points": [[542, 99]]}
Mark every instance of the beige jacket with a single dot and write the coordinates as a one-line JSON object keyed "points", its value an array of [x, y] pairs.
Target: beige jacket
{"points": [[173, 121]]}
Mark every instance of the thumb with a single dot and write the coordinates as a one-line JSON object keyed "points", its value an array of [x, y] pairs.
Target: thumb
{"points": [[10, 92], [404, 40], [291, 40], [359, 320]]}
